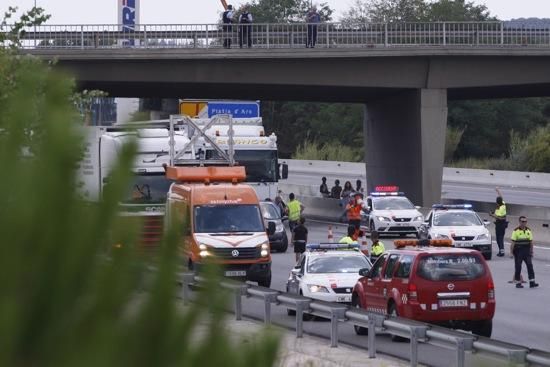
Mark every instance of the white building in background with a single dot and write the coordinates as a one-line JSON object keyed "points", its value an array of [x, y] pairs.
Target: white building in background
{"points": [[126, 107]]}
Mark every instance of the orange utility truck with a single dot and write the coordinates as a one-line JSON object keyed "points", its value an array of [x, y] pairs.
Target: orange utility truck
{"points": [[220, 220]]}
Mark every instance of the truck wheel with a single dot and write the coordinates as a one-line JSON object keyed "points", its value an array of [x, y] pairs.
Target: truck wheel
{"points": [[359, 330], [265, 282], [482, 328], [392, 311]]}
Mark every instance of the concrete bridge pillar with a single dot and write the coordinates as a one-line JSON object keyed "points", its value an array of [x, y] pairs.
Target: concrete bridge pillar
{"points": [[405, 143]]}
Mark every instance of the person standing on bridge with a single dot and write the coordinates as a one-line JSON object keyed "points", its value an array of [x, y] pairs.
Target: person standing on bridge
{"points": [[336, 190], [500, 222], [312, 19], [227, 19], [245, 27], [522, 247]]}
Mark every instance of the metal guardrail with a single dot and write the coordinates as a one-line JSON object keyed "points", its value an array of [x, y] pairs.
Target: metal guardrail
{"points": [[287, 35], [416, 332]]}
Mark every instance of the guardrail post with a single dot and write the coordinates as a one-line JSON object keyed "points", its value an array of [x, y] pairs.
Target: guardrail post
{"points": [[375, 320], [207, 38], [291, 38], [268, 300], [328, 35], [82, 37], [417, 332], [145, 40], [267, 36], [386, 34], [300, 308], [335, 316], [444, 34], [195, 41], [187, 280], [502, 33], [462, 345]]}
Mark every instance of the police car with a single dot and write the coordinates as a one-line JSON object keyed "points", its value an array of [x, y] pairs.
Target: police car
{"points": [[390, 212], [327, 272], [462, 225]]}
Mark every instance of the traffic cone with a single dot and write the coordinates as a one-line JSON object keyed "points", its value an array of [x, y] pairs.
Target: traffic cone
{"points": [[330, 235]]}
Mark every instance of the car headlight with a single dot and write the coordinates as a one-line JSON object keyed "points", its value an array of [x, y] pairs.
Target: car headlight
{"points": [[440, 236], [279, 227], [313, 288], [418, 219], [484, 236], [264, 249], [384, 219], [203, 251]]}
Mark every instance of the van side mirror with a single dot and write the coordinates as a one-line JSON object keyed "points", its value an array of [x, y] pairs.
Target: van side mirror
{"points": [[486, 222], [284, 217], [364, 272], [417, 207], [285, 171], [271, 228]]}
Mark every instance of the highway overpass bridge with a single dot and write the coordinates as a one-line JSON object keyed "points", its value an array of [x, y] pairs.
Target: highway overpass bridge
{"points": [[404, 75]]}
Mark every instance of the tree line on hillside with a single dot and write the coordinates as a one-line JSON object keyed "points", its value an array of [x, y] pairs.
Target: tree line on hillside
{"points": [[496, 134]]}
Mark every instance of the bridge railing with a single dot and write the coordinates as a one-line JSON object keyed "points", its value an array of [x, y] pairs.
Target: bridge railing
{"points": [[287, 35], [463, 344]]}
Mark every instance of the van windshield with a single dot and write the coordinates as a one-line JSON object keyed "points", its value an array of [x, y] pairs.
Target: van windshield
{"points": [[228, 218], [450, 267]]}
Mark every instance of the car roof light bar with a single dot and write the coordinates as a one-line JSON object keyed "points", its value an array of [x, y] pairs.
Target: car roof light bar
{"points": [[452, 206], [331, 246], [393, 193], [399, 244]]}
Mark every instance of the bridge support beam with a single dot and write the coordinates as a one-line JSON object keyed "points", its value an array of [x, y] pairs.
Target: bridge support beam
{"points": [[405, 143]]}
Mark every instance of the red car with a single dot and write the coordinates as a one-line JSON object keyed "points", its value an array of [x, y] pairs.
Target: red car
{"points": [[439, 285]]}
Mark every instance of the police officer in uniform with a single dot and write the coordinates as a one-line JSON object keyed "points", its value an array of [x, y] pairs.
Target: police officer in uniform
{"points": [[522, 247], [377, 247], [349, 239], [500, 222], [227, 19], [245, 28]]}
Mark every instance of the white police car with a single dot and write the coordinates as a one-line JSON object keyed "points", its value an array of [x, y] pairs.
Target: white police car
{"points": [[327, 272], [391, 213], [462, 225]]}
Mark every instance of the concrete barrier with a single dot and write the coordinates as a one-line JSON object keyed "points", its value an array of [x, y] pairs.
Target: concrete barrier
{"points": [[351, 170], [321, 208]]}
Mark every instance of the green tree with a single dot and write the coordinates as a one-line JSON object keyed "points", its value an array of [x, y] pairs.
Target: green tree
{"points": [[68, 297], [284, 11], [538, 150], [415, 11]]}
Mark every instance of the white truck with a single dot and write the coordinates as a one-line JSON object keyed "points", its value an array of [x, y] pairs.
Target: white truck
{"points": [[146, 195], [251, 149]]}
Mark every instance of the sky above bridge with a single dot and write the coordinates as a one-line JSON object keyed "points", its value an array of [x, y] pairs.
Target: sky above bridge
{"points": [[208, 11]]}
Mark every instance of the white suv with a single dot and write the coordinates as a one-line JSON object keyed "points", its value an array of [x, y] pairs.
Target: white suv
{"points": [[391, 213], [462, 225]]}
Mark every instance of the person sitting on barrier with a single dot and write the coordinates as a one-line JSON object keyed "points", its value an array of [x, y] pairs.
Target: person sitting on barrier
{"points": [[323, 189], [377, 247], [336, 190]]}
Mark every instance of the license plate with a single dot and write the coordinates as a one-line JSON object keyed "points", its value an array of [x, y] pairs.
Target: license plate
{"points": [[463, 244], [453, 303], [235, 273], [343, 299]]}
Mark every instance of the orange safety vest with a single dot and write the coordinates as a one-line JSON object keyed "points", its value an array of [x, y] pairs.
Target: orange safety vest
{"points": [[354, 211]]}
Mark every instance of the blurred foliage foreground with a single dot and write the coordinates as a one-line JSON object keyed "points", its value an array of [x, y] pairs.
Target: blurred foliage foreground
{"points": [[66, 299]]}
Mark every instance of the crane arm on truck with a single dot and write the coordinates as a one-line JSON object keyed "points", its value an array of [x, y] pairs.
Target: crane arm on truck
{"points": [[224, 4]]}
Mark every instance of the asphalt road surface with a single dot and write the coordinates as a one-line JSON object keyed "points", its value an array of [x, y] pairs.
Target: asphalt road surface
{"points": [[521, 314]]}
